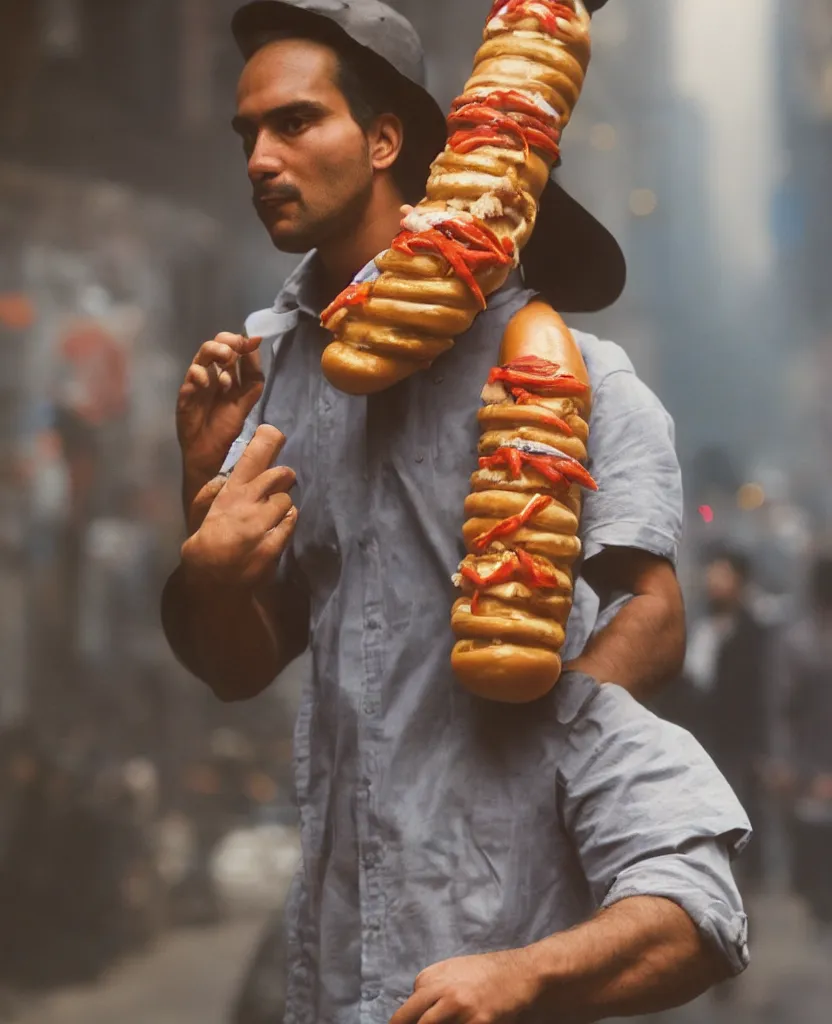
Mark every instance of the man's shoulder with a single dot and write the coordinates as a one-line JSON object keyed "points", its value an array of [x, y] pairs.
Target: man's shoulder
{"points": [[606, 721], [602, 357]]}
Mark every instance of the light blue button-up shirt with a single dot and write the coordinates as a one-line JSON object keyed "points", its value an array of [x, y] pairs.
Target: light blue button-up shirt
{"points": [[434, 824]]}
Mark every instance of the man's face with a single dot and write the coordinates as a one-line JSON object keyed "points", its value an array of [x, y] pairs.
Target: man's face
{"points": [[308, 160]]}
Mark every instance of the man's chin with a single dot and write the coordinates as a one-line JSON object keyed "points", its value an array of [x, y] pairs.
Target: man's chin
{"points": [[292, 242]]}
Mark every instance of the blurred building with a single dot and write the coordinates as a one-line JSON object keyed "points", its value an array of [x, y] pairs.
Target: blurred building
{"points": [[803, 226], [121, 189]]}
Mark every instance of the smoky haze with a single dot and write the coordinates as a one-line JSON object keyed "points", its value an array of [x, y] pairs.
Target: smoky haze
{"points": [[703, 140]]}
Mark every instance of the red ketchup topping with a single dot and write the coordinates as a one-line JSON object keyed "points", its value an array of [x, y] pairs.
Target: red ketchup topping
{"points": [[353, 295], [517, 10], [468, 246], [512, 524], [519, 567], [556, 470], [538, 375], [504, 118]]}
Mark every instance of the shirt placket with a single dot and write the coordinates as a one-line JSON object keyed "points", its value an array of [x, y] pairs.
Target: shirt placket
{"points": [[371, 849]]}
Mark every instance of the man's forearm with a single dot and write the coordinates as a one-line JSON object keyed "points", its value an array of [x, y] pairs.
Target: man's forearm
{"points": [[643, 955], [225, 639], [642, 649]]}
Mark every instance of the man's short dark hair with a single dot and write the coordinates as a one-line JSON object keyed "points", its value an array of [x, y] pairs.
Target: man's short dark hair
{"points": [[369, 94]]}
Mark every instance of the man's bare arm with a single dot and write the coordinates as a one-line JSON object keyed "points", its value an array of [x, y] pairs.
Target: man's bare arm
{"points": [[643, 955], [643, 648], [235, 640]]}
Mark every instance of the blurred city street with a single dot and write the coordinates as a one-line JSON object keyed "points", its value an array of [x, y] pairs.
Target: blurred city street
{"points": [[191, 977], [146, 829]]}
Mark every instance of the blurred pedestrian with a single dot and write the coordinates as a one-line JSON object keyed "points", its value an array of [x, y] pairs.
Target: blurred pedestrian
{"points": [[806, 675], [726, 667]]}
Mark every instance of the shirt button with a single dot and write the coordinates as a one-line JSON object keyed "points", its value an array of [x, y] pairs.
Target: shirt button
{"points": [[373, 624], [374, 924], [370, 707], [371, 857], [420, 458], [369, 995]]}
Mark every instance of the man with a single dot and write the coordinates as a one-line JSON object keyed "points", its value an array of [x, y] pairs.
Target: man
{"points": [[726, 664], [438, 831]]}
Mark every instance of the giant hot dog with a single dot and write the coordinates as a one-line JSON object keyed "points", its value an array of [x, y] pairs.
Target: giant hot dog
{"points": [[523, 513], [461, 242]]}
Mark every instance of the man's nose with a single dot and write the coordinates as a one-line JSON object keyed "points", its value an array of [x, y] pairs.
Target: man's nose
{"points": [[266, 159]]}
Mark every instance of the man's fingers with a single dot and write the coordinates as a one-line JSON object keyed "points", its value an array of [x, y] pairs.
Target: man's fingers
{"points": [[412, 1012], [216, 352], [259, 455], [197, 378], [442, 1013], [251, 371], [275, 541], [278, 506], [241, 343], [279, 480]]}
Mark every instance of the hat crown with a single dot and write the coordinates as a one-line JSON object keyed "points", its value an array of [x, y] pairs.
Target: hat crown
{"points": [[371, 23]]}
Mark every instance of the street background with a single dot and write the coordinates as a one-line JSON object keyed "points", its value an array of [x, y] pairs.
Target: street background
{"points": [[147, 833]]}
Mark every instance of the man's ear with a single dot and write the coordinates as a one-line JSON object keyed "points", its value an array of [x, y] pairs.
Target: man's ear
{"points": [[386, 141]]}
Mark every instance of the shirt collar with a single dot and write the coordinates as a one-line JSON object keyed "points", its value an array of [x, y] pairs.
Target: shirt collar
{"points": [[301, 290]]}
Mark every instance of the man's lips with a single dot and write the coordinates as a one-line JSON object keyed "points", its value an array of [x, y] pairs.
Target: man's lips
{"points": [[273, 201]]}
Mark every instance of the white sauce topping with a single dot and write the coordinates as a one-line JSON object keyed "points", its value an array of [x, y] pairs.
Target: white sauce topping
{"points": [[536, 448], [422, 220]]}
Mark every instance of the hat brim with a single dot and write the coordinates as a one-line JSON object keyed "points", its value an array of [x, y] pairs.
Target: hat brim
{"points": [[572, 259]]}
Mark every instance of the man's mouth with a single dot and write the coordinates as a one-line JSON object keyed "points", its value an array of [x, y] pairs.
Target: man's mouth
{"points": [[274, 200]]}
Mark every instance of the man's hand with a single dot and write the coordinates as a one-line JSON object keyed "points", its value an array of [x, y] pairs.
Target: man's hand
{"points": [[221, 387], [495, 988], [248, 525]]}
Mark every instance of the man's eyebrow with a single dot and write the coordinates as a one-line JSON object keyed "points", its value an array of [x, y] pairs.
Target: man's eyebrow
{"points": [[302, 108]]}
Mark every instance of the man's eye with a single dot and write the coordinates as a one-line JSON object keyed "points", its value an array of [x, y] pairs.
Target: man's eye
{"points": [[294, 125]]}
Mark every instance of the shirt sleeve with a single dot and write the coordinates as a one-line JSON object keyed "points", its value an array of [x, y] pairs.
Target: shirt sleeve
{"points": [[651, 815], [632, 457]]}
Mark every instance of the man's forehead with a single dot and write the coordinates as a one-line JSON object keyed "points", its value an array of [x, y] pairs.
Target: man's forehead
{"points": [[284, 69]]}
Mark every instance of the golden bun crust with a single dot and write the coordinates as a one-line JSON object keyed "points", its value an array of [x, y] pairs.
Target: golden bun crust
{"points": [[509, 642], [508, 673], [555, 546], [495, 186], [498, 620], [503, 504]]}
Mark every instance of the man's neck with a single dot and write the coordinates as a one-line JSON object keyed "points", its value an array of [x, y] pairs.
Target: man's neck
{"points": [[343, 257]]}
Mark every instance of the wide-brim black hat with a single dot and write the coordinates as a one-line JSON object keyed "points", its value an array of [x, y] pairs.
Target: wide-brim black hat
{"points": [[572, 259]]}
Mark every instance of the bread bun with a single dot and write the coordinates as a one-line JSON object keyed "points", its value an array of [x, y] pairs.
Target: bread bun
{"points": [[511, 621], [509, 673], [502, 145]]}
